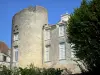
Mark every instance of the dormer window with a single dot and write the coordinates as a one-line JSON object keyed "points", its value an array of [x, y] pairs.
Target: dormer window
{"points": [[61, 30]]}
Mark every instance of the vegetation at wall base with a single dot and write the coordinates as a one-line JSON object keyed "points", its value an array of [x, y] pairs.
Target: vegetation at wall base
{"points": [[31, 70], [36, 71], [84, 33]]}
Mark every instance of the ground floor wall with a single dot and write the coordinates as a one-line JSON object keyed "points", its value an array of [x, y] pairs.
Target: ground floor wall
{"points": [[70, 66]]}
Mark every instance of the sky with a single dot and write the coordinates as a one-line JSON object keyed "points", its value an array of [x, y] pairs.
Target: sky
{"points": [[10, 7]]}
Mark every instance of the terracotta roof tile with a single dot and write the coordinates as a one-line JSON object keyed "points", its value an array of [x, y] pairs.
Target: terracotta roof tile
{"points": [[3, 47]]}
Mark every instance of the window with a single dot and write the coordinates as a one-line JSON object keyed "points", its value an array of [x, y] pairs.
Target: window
{"points": [[46, 53], [15, 36], [47, 34], [16, 53], [62, 51], [4, 58], [72, 53], [61, 30], [16, 26]]}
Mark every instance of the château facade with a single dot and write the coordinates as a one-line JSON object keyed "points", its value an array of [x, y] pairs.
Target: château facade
{"points": [[36, 42]]}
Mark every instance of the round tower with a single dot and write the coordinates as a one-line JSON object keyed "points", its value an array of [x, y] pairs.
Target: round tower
{"points": [[27, 36]]}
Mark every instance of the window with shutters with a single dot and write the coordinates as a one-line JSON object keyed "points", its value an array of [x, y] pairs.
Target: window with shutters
{"points": [[47, 34], [62, 52], [61, 30], [16, 53], [46, 53], [16, 37]]}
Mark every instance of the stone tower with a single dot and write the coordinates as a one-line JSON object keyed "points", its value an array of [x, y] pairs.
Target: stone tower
{"points": [[27, 36]]}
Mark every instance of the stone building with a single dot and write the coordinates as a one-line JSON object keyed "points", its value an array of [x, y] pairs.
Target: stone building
{"points": [[36, 42], [4, 54], [57, 52]]}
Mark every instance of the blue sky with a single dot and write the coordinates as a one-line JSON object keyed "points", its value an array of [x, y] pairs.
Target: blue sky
{"points": [[9, 7]]}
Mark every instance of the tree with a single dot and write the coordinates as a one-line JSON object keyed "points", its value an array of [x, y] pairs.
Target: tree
{"points": [[84, 32]]}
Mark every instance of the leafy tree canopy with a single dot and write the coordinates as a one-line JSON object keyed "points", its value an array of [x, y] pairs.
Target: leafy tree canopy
{"points": [[84, 32]]}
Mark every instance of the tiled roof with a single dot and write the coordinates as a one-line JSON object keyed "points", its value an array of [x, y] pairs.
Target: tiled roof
{"points": [[3, 47]]}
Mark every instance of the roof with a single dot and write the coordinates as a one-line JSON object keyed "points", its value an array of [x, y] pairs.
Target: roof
{"points": [[3, 47]]}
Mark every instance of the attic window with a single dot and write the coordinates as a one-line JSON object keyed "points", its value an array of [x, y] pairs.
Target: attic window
{"points": [[64, 21]]}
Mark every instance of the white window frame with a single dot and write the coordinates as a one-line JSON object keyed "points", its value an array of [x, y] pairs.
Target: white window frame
{"points": [[16, 53], [16, 37], [46, 54], [62, 51], [61, 30], [72, 53]]}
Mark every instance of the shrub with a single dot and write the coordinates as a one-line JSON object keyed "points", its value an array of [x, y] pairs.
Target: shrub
{"points": [[31, 70]]}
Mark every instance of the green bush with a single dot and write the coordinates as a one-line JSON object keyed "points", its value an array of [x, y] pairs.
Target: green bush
{"points": [[31, 70], [4, 70]]}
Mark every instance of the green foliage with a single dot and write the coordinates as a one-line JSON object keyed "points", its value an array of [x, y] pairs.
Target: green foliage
{"points": [[31, 70], [84, 33], [4, 70], [51, 71]]}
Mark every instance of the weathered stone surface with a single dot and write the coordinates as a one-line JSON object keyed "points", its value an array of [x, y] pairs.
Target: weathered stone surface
{"points": [[30, 22]]}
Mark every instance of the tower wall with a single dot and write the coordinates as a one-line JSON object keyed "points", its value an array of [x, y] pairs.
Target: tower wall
{"points": [[29, 22]]}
